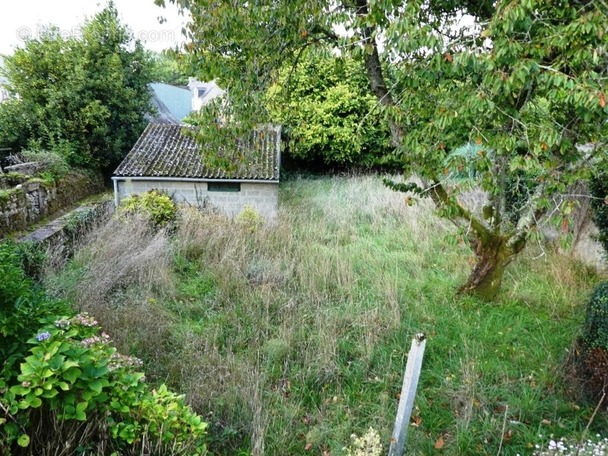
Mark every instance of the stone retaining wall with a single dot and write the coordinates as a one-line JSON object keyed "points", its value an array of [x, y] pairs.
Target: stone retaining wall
{"points": [[34, 200], [62, 236]]}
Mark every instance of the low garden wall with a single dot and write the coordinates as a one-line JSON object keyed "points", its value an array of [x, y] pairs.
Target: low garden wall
{"points": [[59, 238], [35, 199]]}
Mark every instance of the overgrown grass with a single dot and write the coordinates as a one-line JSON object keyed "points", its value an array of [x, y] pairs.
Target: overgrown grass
{"points": [[292, 336]]}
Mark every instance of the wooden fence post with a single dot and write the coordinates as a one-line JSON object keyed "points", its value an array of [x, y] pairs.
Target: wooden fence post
{"points": [[408, 393]]}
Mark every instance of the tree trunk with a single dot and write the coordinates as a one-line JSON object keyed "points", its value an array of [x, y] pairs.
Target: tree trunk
{"points": [[493, 256]]}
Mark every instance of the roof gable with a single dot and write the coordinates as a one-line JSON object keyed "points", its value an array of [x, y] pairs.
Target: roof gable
{"points": [[166, 150], [178, 100]]}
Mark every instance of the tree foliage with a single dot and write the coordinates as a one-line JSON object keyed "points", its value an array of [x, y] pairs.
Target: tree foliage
{"points": [[166, 67], [85, 98], [328, 114], [525, 83]]}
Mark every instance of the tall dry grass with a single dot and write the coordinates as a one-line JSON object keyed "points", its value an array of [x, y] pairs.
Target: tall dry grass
{"points": [[293, 332], [124, 252]]}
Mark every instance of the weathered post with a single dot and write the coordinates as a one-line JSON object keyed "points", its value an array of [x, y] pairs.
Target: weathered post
{"points": [[408, 393]]}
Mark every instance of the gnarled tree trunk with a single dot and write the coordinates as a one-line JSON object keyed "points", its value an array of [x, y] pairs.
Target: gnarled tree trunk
{"points": [[493, 256]]}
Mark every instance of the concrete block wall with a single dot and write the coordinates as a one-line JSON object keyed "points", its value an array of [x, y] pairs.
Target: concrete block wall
{"points": [[262, 197]]}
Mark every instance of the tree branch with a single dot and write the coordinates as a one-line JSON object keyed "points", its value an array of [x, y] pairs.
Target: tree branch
{"points": [[527, 221], [440, 197], [376, 75]]}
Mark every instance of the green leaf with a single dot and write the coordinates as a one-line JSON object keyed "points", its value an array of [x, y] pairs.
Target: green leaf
{"points": [[97, 385], [50, 394], [20, 390], [23, 440], [71, 375], [81, 406]]}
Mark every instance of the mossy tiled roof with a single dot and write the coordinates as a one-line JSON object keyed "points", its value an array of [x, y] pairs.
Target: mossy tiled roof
{"points": [[165, 150]]}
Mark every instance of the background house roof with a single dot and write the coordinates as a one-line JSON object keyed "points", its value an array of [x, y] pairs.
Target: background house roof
{"points": [[165, 150], [203, 92], [162, 113], [178, 100]]}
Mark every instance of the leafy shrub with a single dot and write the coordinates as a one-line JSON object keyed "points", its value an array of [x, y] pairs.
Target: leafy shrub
{"points": [[599, 203], [22, 307], [592, 363], [595, 333], [14, 283], [326, 109], [32, 258], [62, 385], [50, 162], [72, 373], [156, 205], [249, 219]]}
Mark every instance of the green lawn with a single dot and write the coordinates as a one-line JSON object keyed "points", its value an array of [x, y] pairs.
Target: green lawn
{"points": [[289, 337]]}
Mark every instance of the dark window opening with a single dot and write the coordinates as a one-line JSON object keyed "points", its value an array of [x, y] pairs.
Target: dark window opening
{"points": [[224, 186]]}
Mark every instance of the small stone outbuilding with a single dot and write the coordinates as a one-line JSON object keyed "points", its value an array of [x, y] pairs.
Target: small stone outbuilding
{"points": [[169, 159]]}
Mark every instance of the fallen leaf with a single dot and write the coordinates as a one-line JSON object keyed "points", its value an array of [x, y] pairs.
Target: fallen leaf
{"points": [[500, 408], [308, 446], [448, 57], [416, 421], [602, 100], [440, 443], [545, 422]]}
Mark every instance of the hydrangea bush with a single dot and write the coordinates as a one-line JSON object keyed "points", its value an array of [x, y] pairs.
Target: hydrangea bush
{"points": [[73, 372], [64, 386]]}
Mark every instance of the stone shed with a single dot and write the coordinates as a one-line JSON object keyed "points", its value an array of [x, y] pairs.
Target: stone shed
{"points": [[167, 158]]}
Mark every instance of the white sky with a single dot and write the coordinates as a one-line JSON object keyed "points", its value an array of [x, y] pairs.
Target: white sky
{"points": [[19, 18]]}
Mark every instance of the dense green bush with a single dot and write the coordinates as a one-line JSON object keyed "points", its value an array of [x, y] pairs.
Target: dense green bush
{"points": [[156, 205], [592, 359], [595, 333], [32, 258], [73, 373], [22, 308], [62, 383], [599, 203], [328, 114], [51, 162], [83, 97]]}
